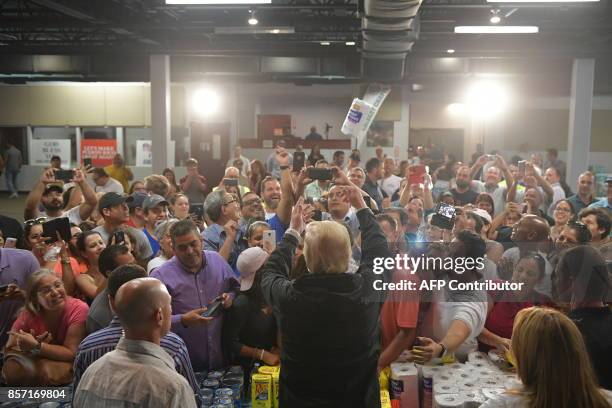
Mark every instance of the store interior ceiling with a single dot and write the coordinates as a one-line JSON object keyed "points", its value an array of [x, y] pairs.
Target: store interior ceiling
{"points": [[306, 42]]}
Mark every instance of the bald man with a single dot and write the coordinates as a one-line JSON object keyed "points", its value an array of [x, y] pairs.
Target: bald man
{"points": [[138, 373], [531, 234], [232, 173]]}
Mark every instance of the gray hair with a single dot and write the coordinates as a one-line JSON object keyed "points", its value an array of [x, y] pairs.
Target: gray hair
{"points": [[214, 203], [163, 229]]}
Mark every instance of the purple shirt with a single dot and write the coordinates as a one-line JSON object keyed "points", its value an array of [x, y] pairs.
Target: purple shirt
{"points": [[15, 267], [195, 290]]}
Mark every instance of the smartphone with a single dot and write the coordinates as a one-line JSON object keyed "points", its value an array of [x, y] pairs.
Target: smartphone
{"points": [[10, 242], [230, 182], [417, 175], [319, 174], [298, 161], [197, 210], [119, 237], [213, 308], [269, 237], [317, 215], [491, 157], [87, 162], [521, 166], [64, 175], [61, 225], [368, 201], [444, 216]]}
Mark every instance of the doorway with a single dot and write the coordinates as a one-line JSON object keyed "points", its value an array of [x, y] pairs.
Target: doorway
{"points": [[210, 146]]}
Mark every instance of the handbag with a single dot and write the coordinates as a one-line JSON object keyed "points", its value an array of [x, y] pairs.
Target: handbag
{"points": [[24, 369]]}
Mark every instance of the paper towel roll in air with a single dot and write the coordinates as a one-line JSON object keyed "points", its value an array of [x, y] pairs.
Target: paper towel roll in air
{"points": [[355, 118], [492, 392], [477, 356], [448, 401], [445, 388], [472, 399], [405, 384]]}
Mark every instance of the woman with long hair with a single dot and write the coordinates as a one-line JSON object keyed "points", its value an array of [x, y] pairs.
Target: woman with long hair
{"points": [[137, 186], [562, 214], [484, 201], [251, 329], [169, 174], [552, 363], [179, 206], [90, 244], [50, 326], [258, 173]]}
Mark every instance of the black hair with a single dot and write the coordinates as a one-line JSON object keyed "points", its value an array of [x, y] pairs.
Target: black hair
{"points": [[372, 164], [107, 261], [402, 214], [475, 246], [581, 275], [389, 219], [583, 234], [602, 217], [539, 260], [122, 275], [80, 244]]}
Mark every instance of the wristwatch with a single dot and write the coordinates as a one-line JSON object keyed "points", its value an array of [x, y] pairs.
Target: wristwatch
{"points": [[443, 352], [36, 349]]}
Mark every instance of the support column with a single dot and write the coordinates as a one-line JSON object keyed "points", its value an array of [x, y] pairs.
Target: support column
{"points": [[581, 108], [160, 112], [402, 127]]}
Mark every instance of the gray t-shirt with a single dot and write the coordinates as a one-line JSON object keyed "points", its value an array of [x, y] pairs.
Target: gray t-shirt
{"points": [[12, 158], [142, 242], [100, 313]]}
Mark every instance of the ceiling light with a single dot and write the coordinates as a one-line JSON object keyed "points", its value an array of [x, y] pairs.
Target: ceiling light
{"points": [[495, 19], [275, 31], [206, 102], [542, 1], [487, 99], [253, 21], [325, 43], [450, 51], [350, 43], [212, 2], [496, 29]]}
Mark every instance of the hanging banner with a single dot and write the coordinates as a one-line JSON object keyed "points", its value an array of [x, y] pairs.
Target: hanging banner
{"points": [[144, 152], [100, 151], [41, 151]]}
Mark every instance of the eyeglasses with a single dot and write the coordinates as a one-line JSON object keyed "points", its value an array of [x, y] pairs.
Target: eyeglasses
{"points": [[255, 201], [233, 200], [48, 289], [35, 221]]}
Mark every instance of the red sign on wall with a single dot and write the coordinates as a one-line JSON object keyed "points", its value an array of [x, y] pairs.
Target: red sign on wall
{"points": [[101, 151]]}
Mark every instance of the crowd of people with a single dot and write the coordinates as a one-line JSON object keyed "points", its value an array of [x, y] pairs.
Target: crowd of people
{"points": [[164, 277]]}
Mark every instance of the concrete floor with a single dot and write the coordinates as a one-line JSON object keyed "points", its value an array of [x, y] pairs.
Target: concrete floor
{"points": [[12, 207]]}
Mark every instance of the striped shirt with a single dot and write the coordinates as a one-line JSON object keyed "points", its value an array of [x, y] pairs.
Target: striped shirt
{"points": [[103, 341]]}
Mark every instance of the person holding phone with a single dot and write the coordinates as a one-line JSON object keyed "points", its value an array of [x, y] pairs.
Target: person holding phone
{"points": [[119, 171], [318, 188], [48, 193]]}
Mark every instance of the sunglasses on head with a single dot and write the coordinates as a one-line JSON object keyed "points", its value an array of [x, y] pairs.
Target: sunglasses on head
{"points": [[578, 225], [35, 221]]}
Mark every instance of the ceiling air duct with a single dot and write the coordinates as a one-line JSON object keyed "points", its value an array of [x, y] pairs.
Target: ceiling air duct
{"points": [[389, 29]]}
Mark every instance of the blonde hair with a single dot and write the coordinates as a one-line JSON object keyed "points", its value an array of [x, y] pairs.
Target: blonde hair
{"points": [[157, 184], [552, 361], [327, 247], [32, 286]]}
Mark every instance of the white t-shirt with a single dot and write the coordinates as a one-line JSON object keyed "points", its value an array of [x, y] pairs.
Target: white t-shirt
{"points": [[519, 401], [156, 263], [73, 214], [390, 184], [111, 186]]}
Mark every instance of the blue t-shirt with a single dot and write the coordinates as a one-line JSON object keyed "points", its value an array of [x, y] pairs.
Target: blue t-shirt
{"points": [[152, 241], [276, 224]]}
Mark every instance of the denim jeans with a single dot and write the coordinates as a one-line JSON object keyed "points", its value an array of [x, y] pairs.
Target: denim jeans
{"points": [[11, 180]]}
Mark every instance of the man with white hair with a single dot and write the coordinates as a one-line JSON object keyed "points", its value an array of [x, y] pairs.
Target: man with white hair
{"points": [[492, 178], [231, 174], [346, 305]]}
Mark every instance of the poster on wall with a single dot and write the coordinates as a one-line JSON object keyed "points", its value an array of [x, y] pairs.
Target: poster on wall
{"points": [[144, 152], [41, 151], [101, 151], [380, 134]]}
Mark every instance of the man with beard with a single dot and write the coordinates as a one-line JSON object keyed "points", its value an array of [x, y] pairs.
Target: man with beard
{"points": [[463, 193], [48, 193], [492, 179], [278, 196]]}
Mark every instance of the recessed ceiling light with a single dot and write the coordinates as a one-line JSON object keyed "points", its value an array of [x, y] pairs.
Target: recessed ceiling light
{"points": [[496, 29], [253, 21], [450, 51], [350, 43], [325, 43], [495, 19], [209, 2]]}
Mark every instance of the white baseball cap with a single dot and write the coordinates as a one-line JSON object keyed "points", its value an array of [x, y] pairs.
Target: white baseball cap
{"points": [[249, 262]]}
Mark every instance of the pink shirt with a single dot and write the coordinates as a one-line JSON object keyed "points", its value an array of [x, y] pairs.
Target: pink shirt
{"points": [[75, 312]]}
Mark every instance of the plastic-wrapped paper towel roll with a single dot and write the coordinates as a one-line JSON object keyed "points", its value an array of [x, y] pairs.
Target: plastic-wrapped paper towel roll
{"points": [[510, 381], [472, 399], [448, 401], [454, 366], [464, 376], [405, 384], [492, 392], [477, 357], [489, 383], [444, 378], [427, 374], [355, 118], [445, 388], [477, 365], [468, 385]]}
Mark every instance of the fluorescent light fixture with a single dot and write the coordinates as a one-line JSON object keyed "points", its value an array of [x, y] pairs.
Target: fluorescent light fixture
{"points": [[350, 43], [487, 99], [495, 19], [215, 2], [249, 30], [496, 29], [206, 102], [275, 31], [325, 43], [450, 51], [542, 1]]}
